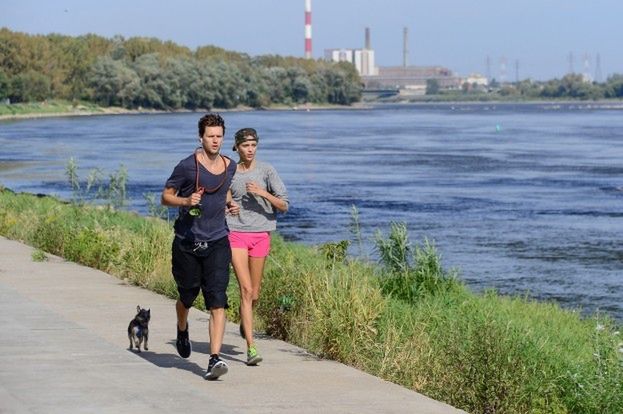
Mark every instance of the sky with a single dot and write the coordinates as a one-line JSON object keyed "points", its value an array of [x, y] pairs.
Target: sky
{"points": [[537, 39]]}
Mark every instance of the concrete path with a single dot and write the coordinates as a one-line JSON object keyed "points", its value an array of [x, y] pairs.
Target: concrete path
{"points": [[64, 349]]}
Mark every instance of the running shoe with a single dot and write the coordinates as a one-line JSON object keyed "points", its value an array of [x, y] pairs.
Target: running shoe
{"points": [[253, 358], [216, 368], [183, 345]]}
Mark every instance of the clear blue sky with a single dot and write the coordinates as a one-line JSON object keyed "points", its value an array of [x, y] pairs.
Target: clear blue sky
{"points": [[458, 34]]}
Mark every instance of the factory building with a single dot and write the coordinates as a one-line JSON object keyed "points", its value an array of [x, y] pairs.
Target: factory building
{"points": [[411, 79], [407, 79], [362, 59]]}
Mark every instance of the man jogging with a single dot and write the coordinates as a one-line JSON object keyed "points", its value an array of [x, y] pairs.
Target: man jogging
{"points": [[201, 253]]}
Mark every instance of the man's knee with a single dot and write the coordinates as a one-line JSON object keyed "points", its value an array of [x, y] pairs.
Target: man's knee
{"points": [[188, 296], [214, 300]]}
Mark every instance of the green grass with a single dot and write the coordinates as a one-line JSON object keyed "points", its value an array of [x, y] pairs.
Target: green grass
{"points": [[49, 107], [407, 320], [39, 256]]}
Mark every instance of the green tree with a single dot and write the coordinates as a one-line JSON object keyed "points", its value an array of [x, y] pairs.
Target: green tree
{"points": [[528, 88], [230, 89], [257, 95], [432, 87], [4, 85], [341, 86], [114, 83], [508, 90], [278, 84], [79, 61], [300, 86], [148, 72], [614, 86], [153, 87], [202, 89], [29, 87]]}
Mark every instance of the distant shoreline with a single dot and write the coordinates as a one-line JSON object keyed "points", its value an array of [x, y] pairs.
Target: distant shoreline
{"points": [[601, 104], [124, 111]]}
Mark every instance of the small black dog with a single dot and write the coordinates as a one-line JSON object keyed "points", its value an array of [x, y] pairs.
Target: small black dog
{"points": [[138, 330]]}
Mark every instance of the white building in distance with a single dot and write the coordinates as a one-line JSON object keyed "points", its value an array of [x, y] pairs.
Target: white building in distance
{"points": [[362, 59]]}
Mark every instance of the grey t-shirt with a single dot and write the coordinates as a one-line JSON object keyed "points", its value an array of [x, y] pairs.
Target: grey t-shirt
{"points": [[256, 213]]}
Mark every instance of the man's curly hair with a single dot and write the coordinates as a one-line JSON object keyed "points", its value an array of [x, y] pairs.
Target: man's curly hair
{"points": [[210, 120]]}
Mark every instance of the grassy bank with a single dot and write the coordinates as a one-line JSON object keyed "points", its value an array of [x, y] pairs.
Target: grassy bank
{"points": [[54, 108], [48, 108], [406, 320]]}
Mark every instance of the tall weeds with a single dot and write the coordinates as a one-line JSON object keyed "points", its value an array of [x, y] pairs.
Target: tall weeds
{"points": [[409, 272], [114, 193]]}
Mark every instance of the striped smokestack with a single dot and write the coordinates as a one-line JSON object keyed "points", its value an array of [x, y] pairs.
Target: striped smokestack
{"points": [[308, 34], [405, 47]]}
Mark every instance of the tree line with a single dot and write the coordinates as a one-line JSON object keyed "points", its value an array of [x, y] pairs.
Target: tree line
{"points": [[150, 73], [571, 86]]}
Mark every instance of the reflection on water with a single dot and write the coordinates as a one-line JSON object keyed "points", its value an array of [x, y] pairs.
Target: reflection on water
{"points": [[521, 198]]}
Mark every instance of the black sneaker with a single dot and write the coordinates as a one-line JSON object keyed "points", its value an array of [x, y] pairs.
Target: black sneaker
{"points": [[216, 368], [183, 343]]}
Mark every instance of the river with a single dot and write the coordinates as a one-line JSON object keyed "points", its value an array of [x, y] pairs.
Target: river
{"points": [[522, 198]]}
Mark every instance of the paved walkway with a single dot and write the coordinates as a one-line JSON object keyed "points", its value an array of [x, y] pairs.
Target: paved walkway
{"points": [[64, 349]]}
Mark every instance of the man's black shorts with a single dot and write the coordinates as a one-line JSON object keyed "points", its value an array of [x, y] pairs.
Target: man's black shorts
{"points": [[202, 266]]}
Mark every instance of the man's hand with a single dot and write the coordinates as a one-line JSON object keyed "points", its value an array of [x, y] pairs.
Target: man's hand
{"points": [[195, 198], [232, 208]]}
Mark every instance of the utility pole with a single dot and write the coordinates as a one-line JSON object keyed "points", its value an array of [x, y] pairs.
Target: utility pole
{"points": [[598, 76], [587, 68], [503, 63]]}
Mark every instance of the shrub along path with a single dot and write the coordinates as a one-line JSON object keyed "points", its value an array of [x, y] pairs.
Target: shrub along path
{"points": [[64, 349]]}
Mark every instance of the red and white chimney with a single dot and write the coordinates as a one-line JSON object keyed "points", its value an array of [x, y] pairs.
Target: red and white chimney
{"points": [[308, 34]]}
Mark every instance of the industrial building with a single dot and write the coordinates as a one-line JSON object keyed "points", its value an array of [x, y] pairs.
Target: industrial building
{"points": [[411, 79], [404, 79], [362, 59]]}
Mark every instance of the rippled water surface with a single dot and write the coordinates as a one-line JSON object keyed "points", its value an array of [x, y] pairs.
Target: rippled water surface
{"points": [[521, 198]]}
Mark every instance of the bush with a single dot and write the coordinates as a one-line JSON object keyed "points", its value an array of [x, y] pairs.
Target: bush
{"points": [[408, 272]]}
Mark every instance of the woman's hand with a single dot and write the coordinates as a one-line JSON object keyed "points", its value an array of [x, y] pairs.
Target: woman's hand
{"points": [[279, 204], [254, 188]]}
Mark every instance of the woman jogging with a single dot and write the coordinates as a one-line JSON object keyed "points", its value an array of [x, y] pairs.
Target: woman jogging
{"points": [[260, 193]]}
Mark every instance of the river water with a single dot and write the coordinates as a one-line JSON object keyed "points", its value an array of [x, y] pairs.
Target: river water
{"points": [[526, 199]]}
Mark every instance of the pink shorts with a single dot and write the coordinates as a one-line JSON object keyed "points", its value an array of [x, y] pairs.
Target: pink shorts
{"points": [[257, 244]]}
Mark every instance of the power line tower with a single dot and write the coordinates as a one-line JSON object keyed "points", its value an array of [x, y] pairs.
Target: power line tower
{"points": [[516, 70], [586, 75], [598, 75], [503, 63], [570, 60]]}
